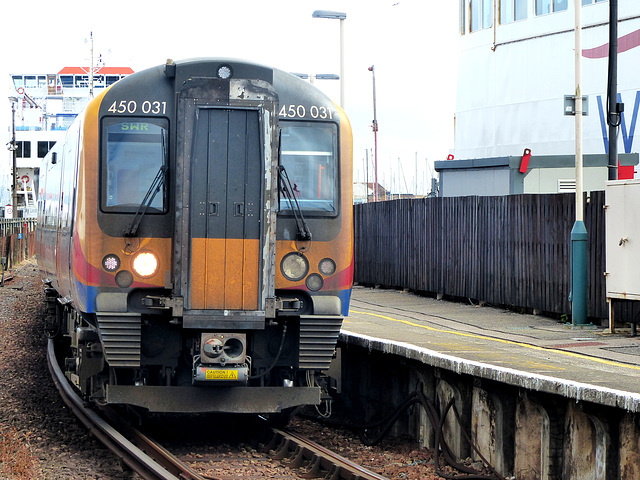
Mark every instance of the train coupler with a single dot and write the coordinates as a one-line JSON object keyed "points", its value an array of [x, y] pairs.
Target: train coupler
{"points": [[176, 304]]}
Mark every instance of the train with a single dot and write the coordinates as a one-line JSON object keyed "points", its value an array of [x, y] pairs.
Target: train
{"points": [[195, 240]]}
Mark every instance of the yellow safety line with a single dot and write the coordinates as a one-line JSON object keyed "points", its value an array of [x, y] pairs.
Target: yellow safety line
{"points": [[508, 342]]}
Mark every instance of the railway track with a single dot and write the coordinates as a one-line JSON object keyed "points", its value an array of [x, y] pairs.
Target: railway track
{"points": [[151, 461], [315, 460]]}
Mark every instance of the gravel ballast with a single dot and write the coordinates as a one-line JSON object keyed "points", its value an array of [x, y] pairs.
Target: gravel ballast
{"points": [[42, 439]]}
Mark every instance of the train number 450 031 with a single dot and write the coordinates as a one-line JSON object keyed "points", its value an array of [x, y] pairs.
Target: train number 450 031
{"points": [[300, 111], [131, 106]]}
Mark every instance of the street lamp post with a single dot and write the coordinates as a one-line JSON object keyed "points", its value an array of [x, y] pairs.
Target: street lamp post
{"points": [[375, 136], [336, 16], [615, 108], [13, 147], [579, 232]]}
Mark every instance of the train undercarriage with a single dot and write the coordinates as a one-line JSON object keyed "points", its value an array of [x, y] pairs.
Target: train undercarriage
{"points": [[152, 362]]}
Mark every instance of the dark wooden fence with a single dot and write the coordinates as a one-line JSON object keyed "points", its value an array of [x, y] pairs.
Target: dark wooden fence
{"points": [[17, 240], [510, 250]]}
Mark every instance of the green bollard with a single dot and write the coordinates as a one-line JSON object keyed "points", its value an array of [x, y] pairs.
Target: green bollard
{"points": [[579, 274]]}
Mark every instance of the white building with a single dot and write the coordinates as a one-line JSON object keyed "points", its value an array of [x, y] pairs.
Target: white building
{"points": [[516, 62]]}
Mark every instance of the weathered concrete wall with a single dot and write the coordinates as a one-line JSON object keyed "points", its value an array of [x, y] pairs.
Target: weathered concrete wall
{"points": [[531, 448], [630, 446], [523, 433]]}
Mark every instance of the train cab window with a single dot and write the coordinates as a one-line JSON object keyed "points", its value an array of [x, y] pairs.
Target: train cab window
{"points": [[308, 152], [134, 156]]}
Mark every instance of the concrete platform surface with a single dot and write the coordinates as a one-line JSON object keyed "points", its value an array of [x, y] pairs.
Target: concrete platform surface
{"points": [[534, 352]]}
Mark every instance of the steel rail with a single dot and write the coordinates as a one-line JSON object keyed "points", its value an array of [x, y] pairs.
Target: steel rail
{"points": [[153, 462], [157, 464], [301, 451]]}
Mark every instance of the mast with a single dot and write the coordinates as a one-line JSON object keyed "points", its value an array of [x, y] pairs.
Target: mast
{"points": [[91, 70]]}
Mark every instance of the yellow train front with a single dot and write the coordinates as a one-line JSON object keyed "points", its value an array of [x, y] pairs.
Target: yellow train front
{"points": [[196, 238]]}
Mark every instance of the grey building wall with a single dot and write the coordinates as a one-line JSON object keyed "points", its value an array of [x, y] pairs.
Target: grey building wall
{"points": [[501, 175]]}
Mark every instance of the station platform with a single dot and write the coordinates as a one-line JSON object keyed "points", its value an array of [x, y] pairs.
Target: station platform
{"points": [[534, 352]]}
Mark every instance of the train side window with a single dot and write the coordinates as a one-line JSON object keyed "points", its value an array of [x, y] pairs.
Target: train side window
{"points": [[133, 151], [308, 151]]}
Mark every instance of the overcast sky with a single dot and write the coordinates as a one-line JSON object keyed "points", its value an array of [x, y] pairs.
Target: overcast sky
{"points": [[412, 44]]}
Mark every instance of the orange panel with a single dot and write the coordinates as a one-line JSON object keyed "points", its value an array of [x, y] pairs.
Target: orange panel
{"points": [[198, 278], [215, 275], [234, 273], [225, 274], [251, 286]]}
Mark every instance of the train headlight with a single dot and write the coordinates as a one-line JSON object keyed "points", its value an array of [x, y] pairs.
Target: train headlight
{"points": [[111, 263], [327, 267], [294, 266], [314, 282], [145, 264]]}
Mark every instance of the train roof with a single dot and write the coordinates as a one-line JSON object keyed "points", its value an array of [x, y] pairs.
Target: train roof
{"points": [[290, 88]]}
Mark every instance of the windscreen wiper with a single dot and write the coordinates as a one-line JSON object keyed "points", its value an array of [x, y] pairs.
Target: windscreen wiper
{"points": [[158, 181], [287, 190], [154, 188]]}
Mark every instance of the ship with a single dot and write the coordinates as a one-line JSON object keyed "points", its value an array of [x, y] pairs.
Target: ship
{"points": [[45, 105]]}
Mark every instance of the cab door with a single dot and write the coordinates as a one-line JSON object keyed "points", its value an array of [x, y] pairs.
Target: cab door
{"points": [[225, 215]]}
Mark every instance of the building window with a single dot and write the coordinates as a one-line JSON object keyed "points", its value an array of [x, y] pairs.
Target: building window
{"points": [[481, 14], [550, 6], [24, 149], [111, 79], [44, 147], [589, 2], [513, 10], [82, 80]]}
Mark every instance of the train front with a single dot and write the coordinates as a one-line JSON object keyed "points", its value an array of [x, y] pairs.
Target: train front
{"points": [[225, 230]]}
